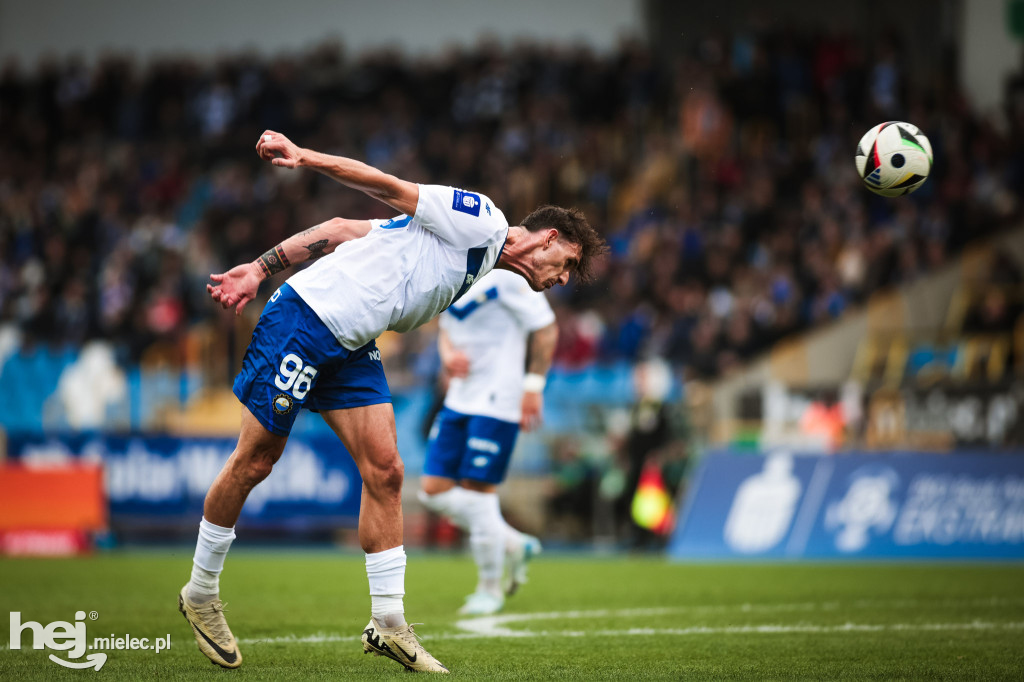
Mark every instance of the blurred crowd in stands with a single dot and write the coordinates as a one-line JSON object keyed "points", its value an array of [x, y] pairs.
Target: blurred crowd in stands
{"points": [[723, 179]]}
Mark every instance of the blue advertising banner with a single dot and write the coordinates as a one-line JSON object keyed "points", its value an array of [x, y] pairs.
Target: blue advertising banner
{"points": [[162, 477], [853, 505]]}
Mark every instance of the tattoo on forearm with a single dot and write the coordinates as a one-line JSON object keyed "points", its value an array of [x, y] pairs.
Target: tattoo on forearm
{"points": [[274, 261], [311, 229], [316, 249]]}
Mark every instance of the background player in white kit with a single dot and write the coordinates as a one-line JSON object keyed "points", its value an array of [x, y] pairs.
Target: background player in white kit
{"points": [[314, 347], [483, 345]]}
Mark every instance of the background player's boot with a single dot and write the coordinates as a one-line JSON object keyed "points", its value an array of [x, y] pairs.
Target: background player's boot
{"points": [[211, 630], [517, 560], [400, 644], [482, 604]]}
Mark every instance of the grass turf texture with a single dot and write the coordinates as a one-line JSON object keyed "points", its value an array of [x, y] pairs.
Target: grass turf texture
{"points": [[298, 617]]}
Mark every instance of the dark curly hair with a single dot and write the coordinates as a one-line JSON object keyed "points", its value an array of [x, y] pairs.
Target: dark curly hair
{"points": [[572, 227]]}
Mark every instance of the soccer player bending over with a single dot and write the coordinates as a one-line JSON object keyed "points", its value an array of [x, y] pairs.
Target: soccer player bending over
{"points": [[314, 348], [483, 343]]}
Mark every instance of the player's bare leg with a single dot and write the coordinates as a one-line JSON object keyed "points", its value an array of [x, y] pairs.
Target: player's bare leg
{"points": [[369, 435], [251, 462]]}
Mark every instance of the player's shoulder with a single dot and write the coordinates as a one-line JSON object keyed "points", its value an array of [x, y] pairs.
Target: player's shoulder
{"points": [[477, 205], [465, 202]]}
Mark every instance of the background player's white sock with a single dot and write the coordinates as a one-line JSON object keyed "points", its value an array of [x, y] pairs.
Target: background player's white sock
{"points": [[208, 562], [453, 504], [386, 573], [489, 535], [487, 540], [513, 538]]}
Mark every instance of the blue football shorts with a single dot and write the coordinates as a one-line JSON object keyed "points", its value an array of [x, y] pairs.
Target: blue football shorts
{"points": [[294, 361], [466, 446]]}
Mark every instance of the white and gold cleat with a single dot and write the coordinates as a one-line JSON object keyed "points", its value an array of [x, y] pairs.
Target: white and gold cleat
{"points": [[211, 630], [400, 644]]}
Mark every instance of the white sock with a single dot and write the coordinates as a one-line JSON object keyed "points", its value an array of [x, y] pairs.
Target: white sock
{"points": [[513, 538], [208, 562], [489, 536], [453, 504], [386, 573], [487, 539]]}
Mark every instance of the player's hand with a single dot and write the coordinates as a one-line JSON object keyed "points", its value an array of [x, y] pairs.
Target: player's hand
{"points": [[278, 150], [456, 363], [236, 287], [533, 406]]}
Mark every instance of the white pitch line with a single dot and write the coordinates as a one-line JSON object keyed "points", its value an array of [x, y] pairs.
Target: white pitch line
{"points": [[318, 638], [494, 626], [766, 629]]}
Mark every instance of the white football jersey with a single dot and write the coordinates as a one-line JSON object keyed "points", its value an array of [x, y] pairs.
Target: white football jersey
{"points": [[491, 324], [405, 270]]}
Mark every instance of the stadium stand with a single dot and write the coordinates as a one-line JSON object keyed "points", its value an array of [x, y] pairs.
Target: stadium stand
{"points": [[722, 178]]}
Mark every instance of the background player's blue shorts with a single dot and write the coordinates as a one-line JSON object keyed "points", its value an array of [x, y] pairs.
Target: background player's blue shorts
{"points": [[468, 446], [294, 361]]}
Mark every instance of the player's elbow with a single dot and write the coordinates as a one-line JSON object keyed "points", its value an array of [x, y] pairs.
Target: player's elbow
{"points": [[399, 194]]}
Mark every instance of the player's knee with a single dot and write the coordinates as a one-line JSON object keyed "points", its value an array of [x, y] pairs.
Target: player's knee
{"points": [[252, 468], [386, 478], [258, 469]]}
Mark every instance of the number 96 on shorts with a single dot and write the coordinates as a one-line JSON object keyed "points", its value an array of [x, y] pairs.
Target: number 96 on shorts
{"points": [[295, 361], [295, 375]]}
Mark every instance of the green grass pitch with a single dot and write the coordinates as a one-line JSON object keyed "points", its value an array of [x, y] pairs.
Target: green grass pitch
{"points": [[298, 617]]}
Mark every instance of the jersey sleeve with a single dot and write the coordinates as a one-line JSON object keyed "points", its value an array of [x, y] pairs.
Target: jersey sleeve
{"points": [[398, 221], [529, 307], [464, 219]]}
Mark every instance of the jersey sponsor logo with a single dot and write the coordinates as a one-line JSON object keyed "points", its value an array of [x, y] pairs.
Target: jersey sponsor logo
{"points": [[483, 445], [466, 202], [374, 354], [487, 207]]}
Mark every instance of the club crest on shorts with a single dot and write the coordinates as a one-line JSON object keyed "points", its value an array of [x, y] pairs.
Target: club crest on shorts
{"points": [[283, 403]]}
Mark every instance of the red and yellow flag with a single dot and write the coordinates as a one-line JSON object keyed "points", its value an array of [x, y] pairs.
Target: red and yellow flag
{"points": [[652, 505]]}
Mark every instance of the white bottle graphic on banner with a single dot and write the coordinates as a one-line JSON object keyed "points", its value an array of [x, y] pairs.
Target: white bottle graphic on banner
{"points": [[763, 507]]}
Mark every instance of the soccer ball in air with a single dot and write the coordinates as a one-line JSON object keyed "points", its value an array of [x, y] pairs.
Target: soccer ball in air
{"points": [[894, 158]]}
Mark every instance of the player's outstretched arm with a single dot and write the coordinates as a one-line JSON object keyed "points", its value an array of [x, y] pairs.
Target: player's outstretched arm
{"points": [[398, 194], [239, 285], [540, 353]]}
